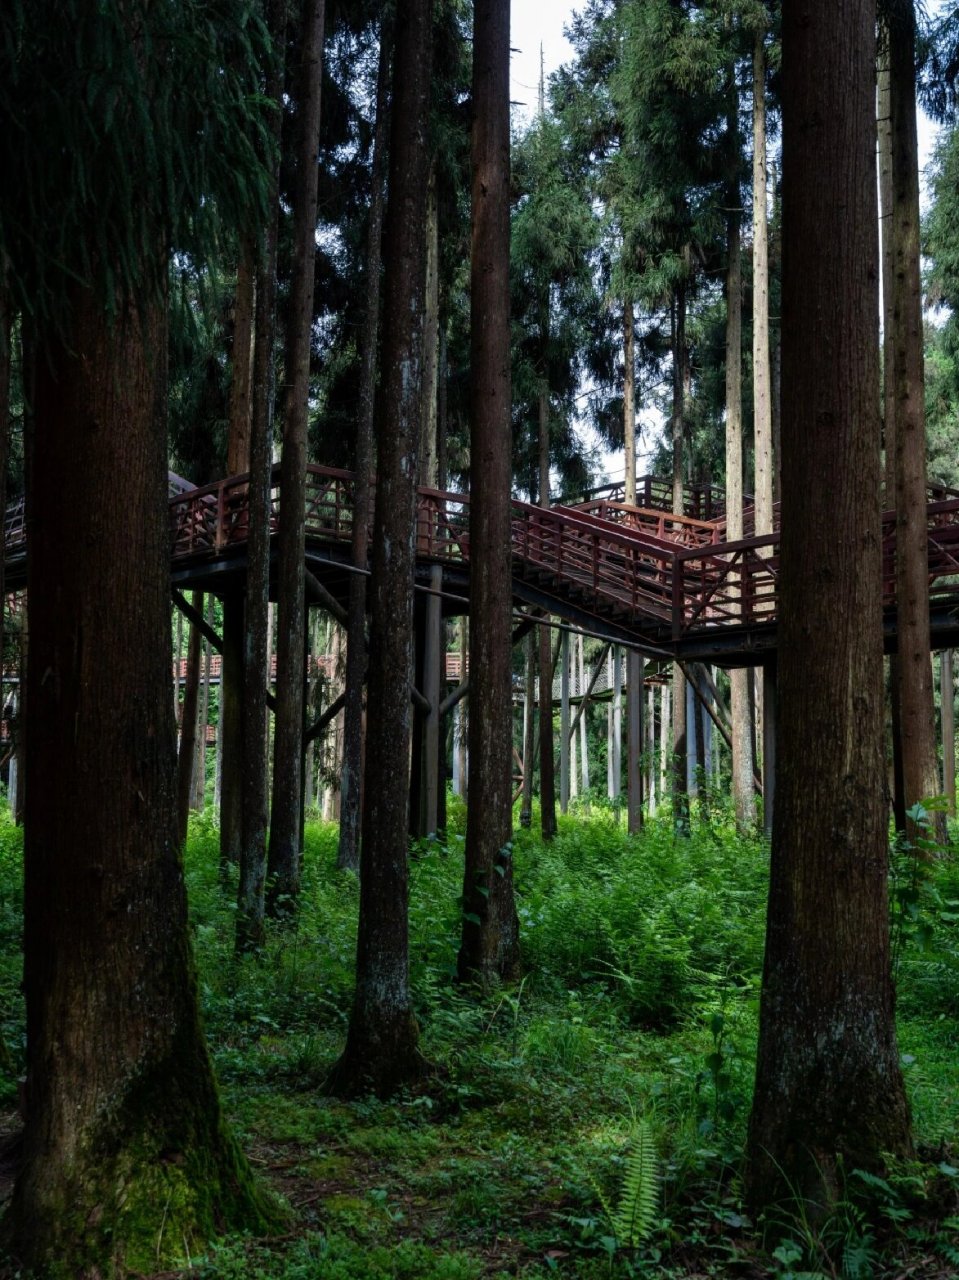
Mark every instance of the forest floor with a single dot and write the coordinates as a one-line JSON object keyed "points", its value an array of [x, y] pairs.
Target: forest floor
{"points": [[635, 1025]]}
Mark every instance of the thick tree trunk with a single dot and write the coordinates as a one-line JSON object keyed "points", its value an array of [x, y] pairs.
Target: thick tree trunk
{"points": [[381, 1048], [125, 1152], [186, 758], [286, 810], [348, 851], [489, 949], [828, 1083], [916, 702]]}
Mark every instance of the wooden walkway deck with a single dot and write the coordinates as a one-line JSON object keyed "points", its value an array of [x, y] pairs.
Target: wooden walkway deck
{"points": [[670, 586]]}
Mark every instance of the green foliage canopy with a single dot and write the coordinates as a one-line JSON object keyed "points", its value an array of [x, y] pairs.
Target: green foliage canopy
{"points": [[131, 128]]}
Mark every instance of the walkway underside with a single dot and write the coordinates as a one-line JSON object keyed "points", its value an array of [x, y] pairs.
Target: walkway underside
{"points": [[668, 586]]}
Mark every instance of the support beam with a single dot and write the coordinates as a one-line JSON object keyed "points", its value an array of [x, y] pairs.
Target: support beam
{"points": [[197, 619], [597, 670], [318, 594], [330, 714]]}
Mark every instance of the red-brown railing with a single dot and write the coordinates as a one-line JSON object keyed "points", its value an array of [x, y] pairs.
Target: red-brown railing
{"points": [[684, 530]]}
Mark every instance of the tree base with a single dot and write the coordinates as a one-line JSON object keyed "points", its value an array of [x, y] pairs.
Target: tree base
{"points": [[380, 1064]]}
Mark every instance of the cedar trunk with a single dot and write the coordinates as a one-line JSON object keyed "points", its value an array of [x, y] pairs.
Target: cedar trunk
{"points": [[920, 773], [743, 791], [255, 792], [125, 1144], [381, 1048], [287, 809], [348, 851], [489, 949], [828, 1085], [762, 378], [679, 781]]}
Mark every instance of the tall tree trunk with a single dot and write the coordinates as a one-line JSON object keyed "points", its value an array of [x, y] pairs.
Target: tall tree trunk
{"points": [[884, 122], [254, 815], [425, 796], [489, 949], [679, 789], [743, 790], [285, 826], [348, 851], [186, 759], [917, 711], [381, 1048], [762, 383], [828, 1083], [125, 1140], [634, 719]]}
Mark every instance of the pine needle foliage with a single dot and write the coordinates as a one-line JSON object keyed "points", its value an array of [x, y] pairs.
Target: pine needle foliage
{"points": [[634, 1215], [130, 128]]}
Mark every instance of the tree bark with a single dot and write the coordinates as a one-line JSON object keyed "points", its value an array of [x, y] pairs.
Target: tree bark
{"points": [[348, 851], [679, 788], [283, 867], [916, 701], [125, 1142], [254, 805], [743, 790], [762, 381], [381, 1048], [889, 392], [489, 948], [828, 1083]]}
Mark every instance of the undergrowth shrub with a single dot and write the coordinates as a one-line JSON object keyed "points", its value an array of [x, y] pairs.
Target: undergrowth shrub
{"points": [[645, 916]]}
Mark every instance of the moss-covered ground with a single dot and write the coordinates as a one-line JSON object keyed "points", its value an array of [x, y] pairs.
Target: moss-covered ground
{"points": [[639, 1005]]}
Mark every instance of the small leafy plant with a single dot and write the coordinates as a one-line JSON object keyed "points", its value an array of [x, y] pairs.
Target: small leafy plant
{"points": [[632, 1218]]}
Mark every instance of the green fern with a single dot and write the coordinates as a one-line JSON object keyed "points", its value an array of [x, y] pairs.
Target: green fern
{"points": [[633, 1217]]}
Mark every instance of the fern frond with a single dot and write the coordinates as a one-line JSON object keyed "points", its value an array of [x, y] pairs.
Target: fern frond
{"points": [[636, 1211]]}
